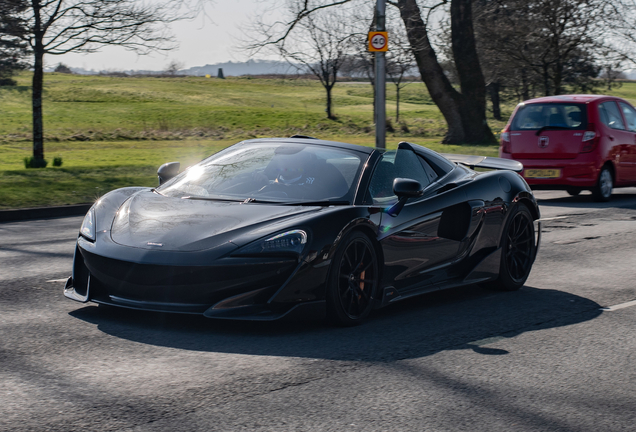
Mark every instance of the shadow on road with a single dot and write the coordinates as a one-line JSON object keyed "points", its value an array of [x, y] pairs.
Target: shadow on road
{"points": [[464, 318], [585, 201]]}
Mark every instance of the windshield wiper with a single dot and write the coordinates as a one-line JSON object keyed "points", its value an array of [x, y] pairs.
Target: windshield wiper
{"points": [[200, 198], [261, 201], [551, 127]]}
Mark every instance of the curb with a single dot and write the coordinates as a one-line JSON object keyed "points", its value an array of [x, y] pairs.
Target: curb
{"points": [[43, 212]]}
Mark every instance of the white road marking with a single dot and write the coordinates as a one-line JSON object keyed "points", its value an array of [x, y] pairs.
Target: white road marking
{"points": [[58, 280], [553, 218], [619, 306]]}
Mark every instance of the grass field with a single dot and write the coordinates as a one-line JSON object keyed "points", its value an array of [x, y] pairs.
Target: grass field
{"points": [[102, 108], [112, 132]]}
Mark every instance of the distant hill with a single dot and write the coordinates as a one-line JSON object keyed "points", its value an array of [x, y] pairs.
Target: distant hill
{"points": [[250, 67]]}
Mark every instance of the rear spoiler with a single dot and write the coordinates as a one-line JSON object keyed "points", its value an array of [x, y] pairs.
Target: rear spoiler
{"points": [[472, 162]]}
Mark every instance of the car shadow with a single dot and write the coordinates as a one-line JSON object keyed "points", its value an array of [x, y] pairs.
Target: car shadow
{"points": [[624, 198], [464, 318]]}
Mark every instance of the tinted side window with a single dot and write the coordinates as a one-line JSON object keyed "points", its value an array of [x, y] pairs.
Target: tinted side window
{"points": [[610, 115], [630, 116], [401, 163]]}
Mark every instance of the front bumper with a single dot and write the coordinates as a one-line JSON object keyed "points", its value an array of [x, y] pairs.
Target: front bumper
{"points": [[232, 288]]}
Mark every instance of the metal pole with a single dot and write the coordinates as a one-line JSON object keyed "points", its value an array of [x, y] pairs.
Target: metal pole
{"points": [[380, 80]]}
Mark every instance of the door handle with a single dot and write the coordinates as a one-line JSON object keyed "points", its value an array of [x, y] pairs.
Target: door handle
{"points": [[611, 137]]}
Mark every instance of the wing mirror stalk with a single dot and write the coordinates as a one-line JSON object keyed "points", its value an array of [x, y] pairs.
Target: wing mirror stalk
{"points": [[404, 189], [167, 171]]}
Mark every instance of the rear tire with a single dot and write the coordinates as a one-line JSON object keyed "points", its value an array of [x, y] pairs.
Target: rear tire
{"points": [[602, 192], [353, 281], [518, 250]]}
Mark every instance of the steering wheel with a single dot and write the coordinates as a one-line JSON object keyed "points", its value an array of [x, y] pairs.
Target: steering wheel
{"points": [[273, 189]]}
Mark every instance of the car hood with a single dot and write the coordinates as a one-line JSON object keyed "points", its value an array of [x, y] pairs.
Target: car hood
{"points": [[149, 220]]}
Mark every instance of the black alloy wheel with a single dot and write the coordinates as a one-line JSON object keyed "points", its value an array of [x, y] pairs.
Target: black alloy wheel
{"points": [[517, 249], [353, 281]]}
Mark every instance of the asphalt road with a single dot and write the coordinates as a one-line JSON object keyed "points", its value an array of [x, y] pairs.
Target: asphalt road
{"points": [[545, 358]]}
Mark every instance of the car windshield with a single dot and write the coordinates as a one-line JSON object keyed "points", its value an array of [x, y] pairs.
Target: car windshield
{"points": [[271, 172], [550, 116]]}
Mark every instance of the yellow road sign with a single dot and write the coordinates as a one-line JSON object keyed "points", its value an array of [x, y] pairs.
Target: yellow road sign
{"points": [[378, 41]]}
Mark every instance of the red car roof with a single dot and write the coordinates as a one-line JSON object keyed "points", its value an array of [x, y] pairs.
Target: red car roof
{"points": [[581, 98]]}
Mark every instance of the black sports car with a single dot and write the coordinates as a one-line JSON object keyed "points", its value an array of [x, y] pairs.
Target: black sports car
{"points": [[269, 228]]}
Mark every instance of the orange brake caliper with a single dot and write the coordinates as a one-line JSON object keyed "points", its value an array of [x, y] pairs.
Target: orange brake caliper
{"points": [[361, 283]]}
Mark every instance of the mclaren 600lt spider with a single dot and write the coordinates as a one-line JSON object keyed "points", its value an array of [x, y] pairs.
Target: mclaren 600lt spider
{"points": [[269, 228]]}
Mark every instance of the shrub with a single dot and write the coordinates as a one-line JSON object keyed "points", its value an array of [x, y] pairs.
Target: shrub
{"points": [[57, 162], [62, 68], [31, 162], [389, 126], [7, 82]]}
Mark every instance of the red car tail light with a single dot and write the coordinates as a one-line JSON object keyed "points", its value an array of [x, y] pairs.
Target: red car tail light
{"points": [[505, 142], [590, 140]]}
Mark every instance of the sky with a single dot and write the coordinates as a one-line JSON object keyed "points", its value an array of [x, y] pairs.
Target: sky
{"points": [[201, 42]]}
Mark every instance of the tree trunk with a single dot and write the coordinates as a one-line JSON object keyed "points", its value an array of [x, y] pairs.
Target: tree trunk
{"points": [[471, 78], [438, 85], [525, 87], [38, 82], [558, 77], [397, 103], [465, 113], [546, 80], [328, 109], [493, 88]]}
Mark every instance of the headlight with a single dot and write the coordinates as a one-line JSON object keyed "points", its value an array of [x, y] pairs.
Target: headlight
{"points": [[88, 225], [290, 242]]}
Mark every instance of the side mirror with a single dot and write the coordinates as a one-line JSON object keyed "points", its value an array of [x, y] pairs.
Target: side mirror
{"points": [[404, 189], [167, 171]]}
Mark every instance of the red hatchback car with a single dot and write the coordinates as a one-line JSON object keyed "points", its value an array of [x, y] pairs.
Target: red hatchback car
{"points": [[574, 142]]}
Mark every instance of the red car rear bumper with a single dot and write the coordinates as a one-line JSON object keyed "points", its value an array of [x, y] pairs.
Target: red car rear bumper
{"points": [[581, 171]]}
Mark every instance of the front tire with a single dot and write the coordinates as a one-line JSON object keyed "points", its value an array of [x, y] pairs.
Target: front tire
{"points": [[518, 250], [353, 281], [602, 192]]}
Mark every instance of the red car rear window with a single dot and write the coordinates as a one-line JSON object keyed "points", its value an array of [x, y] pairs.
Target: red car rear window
{"points": [[538, 115]]}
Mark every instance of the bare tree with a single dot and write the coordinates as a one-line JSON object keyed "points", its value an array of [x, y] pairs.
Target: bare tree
{"points": [[361, 63], [464, 110], [544, 43], [612, 71], [319, 44], [620, 27], [13, 50], [399, 62], [173, 67], [58, 27]]}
